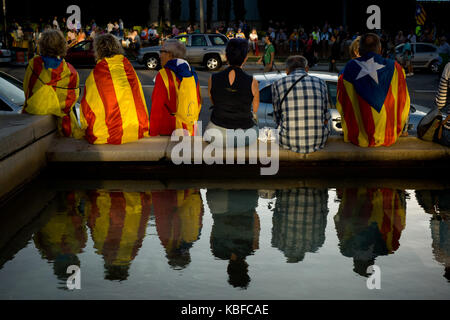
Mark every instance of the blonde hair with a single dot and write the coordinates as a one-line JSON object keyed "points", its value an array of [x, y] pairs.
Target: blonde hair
{"points": [[354, 48], [52, 44], [106, 46]]}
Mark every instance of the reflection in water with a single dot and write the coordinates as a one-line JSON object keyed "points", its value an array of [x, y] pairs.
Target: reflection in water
{"points": [[369, 224], [235, 232], [437, 203], [299, 222], [117, 221], [64, 235], [178, 216]]}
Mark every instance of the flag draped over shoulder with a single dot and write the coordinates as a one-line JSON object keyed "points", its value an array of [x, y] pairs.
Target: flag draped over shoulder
{"points": [[176, 99], [370, 220], [117, 221], [178, 216], [52, 91], [113, 108], [373, 100]]}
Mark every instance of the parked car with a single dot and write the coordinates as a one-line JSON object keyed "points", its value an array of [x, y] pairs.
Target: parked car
{"points": [[12, 97], [81, 54], [5, 54], [424, 56], [204, 49], [265, 111]]}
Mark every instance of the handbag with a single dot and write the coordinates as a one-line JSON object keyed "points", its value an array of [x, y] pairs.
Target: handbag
{"points": [[434, 128]]}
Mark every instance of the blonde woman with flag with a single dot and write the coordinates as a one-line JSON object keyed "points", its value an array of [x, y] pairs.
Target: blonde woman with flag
{"points": [[113, 108], [51, 85]]}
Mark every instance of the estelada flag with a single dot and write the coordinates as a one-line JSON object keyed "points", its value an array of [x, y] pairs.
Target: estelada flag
{"points": [[113, 108], [421, 15], [364, 210], [52, 91], [178, 216], [373, 100]]}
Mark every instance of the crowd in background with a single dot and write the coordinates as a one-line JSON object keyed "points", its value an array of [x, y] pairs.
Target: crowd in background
{"points": [[329, 42]]}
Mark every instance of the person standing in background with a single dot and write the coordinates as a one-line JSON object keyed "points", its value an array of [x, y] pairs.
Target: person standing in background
{"points": [[253, 39], [55, 23], [269, 55]]}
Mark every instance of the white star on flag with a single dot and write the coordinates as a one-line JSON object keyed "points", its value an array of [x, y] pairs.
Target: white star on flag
{"points": [[181, 61], [370, 68]]}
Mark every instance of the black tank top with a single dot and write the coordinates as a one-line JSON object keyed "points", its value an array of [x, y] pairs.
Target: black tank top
{"points": [[232, 104]]}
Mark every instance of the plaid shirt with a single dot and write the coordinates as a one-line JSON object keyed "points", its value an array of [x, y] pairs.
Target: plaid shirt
{"points": [[299, 221], [303, 113]]}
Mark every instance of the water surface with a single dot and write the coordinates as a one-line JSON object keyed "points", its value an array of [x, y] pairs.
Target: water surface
{"points": [[210, 243]]}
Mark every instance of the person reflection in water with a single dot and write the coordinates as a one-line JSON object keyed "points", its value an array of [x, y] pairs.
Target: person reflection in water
{"points": [[235, 232], [63, 236], [299, 222], [369, 224], [437, 203], [118, 222], [178, 217]]}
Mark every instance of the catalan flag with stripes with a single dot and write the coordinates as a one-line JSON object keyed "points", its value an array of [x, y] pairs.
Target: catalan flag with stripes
{"points": [[52, 91], [65, 232], [176, 92], [364, 210], [421, 15], [118, 222], [178, 216], [373, 100], [113, 108]]}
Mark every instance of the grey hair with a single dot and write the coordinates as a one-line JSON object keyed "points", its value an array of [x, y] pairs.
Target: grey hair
{"points": [[296, 62], [175, 47]]}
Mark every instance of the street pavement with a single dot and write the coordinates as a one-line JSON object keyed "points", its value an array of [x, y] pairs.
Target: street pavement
{"points": [[422, 86]]}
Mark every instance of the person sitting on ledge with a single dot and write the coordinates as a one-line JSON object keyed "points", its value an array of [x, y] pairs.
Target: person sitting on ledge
{"points": [[113, 108], [51, 85], [372, 97], [300, 105], [235, 98], [176, 98]]}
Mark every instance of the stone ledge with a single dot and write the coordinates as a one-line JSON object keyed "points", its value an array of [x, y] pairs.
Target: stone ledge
{"points": [[407, 149], [20, 130], [72, 150], [20, 167]]}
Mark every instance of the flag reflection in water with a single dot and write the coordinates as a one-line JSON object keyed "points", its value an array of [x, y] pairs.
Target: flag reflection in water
{"points": [[64, 235], [437, 203], [235, 232], [299, 221], [118, 222], [369, 224], [178, 216]]}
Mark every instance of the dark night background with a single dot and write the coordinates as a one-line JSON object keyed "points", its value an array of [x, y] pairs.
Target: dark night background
{"points": [[394, 14]]}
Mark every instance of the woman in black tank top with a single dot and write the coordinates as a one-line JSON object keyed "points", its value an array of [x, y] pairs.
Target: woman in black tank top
{"points": [[234, 94]]}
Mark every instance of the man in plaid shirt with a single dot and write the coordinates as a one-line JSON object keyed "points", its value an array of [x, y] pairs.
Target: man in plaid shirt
{"points": [[303, 115]]}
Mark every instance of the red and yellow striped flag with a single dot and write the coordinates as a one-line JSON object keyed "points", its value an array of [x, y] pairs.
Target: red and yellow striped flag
{"points": [[113, 108], [118, 222], [373, 100], [52, 91], [365, 207], [421, 15]]}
